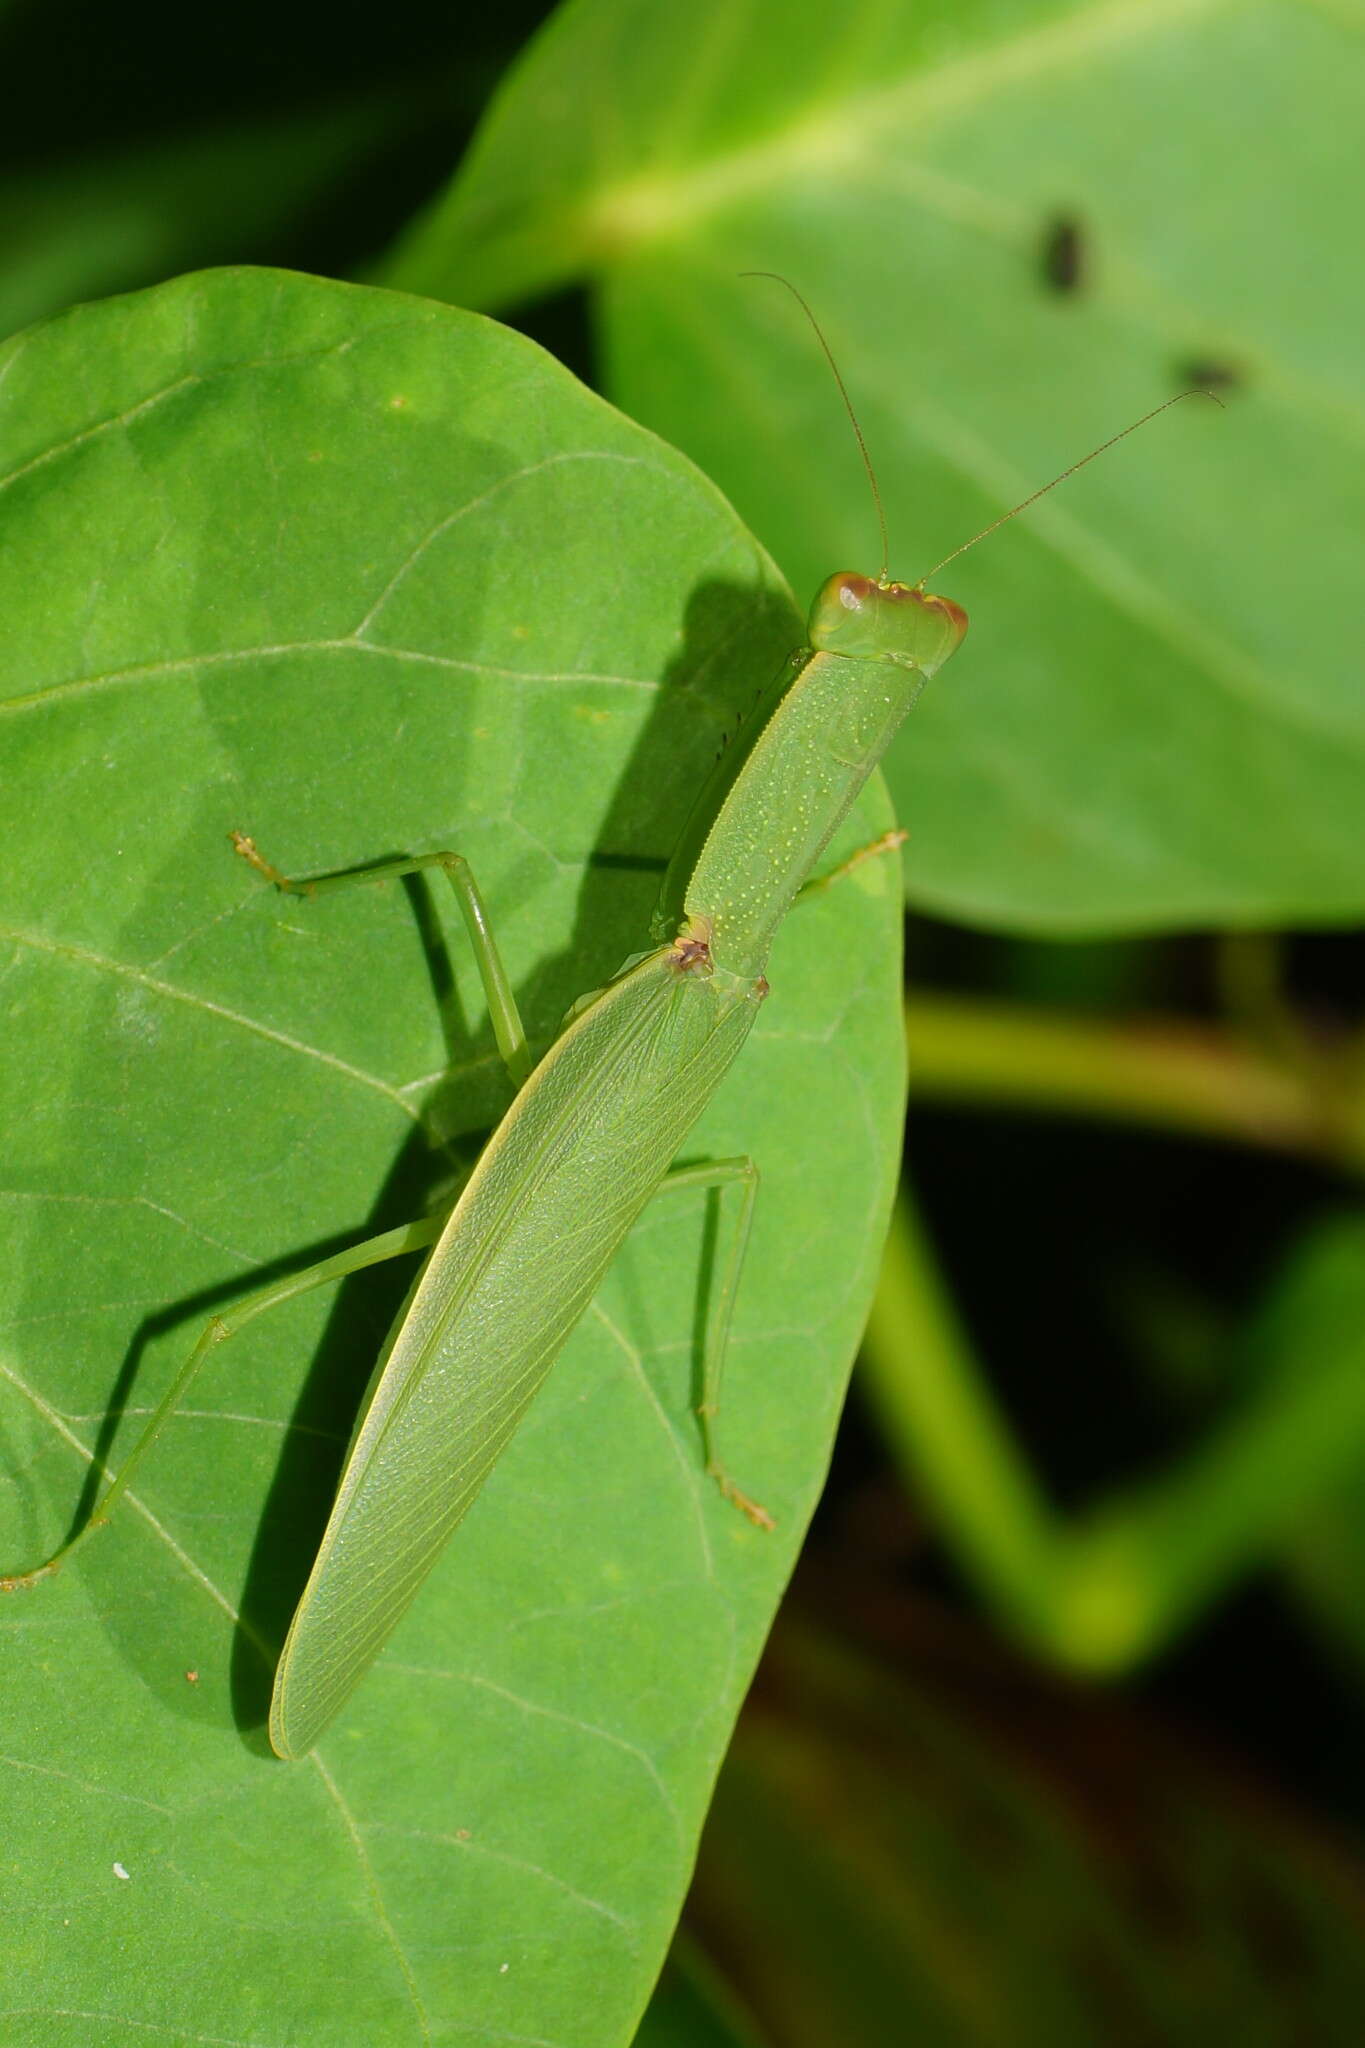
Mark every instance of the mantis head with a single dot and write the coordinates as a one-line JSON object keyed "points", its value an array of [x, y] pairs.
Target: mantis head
{"points": [[869, 619]]}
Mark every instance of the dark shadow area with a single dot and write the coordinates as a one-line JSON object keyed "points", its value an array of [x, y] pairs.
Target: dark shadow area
{"points": [[702, 1301], [425, 1177], [705, 698], [96, 76], [192, 1312], [1048, 1231], [705, 714], [309, 141], [301, 1492], [562, 323], [299, 1499], [1052, 1235]]}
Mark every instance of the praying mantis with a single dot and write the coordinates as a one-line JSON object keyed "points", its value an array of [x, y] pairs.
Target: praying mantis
{"points": [[589, 1139]]}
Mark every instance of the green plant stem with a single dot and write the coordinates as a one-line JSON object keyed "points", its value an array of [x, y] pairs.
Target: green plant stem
{"points": [[943, 1425], [1170, 1076], [1102, 1590]]}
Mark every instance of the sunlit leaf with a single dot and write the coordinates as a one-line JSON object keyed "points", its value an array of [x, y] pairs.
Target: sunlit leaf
{"points": [[355, 574]]}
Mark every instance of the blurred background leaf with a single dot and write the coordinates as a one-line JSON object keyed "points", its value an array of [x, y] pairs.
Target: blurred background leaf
{"points": [[1155, 722], [140, 213], [918, 1840], [299, 137]]}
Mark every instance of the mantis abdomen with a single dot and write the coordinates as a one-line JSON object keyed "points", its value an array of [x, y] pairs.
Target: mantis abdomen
{"points": [[581, 1150]]}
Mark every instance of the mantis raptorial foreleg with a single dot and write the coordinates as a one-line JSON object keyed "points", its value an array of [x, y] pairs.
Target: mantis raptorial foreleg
{"points": [[887, 842], [503, 1013]]}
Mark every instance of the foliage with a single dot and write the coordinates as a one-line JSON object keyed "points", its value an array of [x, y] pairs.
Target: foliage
{"points": [[1159, 726], [357, 573]]}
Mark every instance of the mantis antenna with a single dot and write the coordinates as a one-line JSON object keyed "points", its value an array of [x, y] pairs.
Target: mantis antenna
{"points": [[1062, 476], [884, 577], [777, 278]]}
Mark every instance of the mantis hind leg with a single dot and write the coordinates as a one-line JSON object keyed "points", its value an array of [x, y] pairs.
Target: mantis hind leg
{"points": [[372, 1251], [722, 1173]]}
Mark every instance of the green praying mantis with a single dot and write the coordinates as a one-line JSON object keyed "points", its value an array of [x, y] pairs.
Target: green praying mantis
{"points": [[590, 1137]]}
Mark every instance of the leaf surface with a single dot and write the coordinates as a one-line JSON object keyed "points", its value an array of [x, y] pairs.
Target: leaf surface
{"points": [[358, 574]]}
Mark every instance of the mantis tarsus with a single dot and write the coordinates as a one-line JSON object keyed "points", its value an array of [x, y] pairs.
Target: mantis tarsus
{"points": [[588, 1140]]}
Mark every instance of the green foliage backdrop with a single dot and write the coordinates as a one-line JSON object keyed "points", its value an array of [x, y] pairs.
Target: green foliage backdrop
{"points": [[356, 573], [1155, 721]]}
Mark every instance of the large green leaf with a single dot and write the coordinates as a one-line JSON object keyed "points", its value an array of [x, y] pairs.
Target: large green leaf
{"points": [[356, 573], [1156, 719]]}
